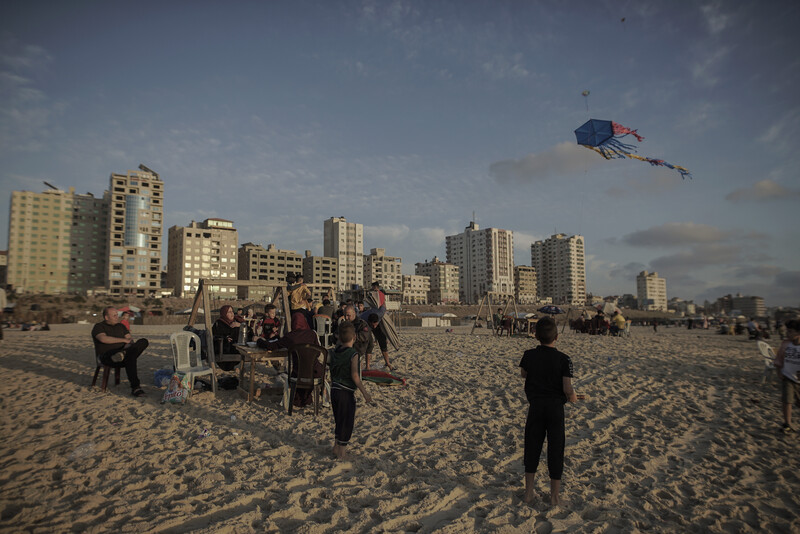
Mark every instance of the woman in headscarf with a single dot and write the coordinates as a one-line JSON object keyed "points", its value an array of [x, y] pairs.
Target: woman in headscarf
{"points": [[227, 329], [301, 333]]}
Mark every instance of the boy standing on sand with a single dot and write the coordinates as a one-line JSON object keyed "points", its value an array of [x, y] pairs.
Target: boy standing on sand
{"points": [[788, 361], [345, 380], [548, 385]]}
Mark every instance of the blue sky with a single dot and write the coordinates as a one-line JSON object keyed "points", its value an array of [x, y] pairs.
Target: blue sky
{"points": [[408, 116]]}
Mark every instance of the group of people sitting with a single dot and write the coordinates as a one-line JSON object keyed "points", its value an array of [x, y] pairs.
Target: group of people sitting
{"points": [[599, 324], [114, 345]]}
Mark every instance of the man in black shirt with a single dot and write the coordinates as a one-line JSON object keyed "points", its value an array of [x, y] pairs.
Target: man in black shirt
{"points": [[114, 346]]}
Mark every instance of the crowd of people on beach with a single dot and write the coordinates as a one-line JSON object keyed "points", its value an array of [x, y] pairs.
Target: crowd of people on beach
{"points": [[547, 372]]}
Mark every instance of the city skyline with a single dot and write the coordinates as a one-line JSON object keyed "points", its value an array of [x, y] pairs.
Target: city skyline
{"points": [[408, 117]]}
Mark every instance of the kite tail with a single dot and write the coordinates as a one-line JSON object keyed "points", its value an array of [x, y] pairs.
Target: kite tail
{"points": [[621, 131], [661, 163], [614, 148]]}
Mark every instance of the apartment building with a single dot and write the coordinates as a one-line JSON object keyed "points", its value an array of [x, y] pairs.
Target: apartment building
{"points": [[386, 270], [135, 233], [749, 306], [485, 259], [345, 242], [323, 273], [270, 264], [415, 288], [443, 280], [560, 264], [651, 291], [202, 250], [525, 284], [57, 241]]}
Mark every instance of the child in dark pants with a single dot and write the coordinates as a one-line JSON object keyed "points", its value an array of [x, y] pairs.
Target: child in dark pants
{"points": [[345, 380], [548, 385]]}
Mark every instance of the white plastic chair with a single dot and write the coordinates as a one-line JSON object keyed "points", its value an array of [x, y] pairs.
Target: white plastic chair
{"points": [[769, 361], [182, 353], [322, 326]]}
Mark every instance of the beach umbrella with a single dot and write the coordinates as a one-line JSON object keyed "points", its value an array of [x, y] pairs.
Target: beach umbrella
{"points": [[551, 310]]}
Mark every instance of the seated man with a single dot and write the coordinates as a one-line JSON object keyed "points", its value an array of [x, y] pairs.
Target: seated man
{"points": [[114, 346]]}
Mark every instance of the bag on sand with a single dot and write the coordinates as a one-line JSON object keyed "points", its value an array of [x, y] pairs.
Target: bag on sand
{"points": [[178, 391]]}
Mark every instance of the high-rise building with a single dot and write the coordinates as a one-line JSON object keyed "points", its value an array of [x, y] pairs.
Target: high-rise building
{"points": [[485, 259], [386, 270], [345, 242], [560, 264], [268, 265], [135, 219], [749, 306], [651, 292], [202, 250], [525, 284], [57, 241], [415, 288], [323, 273], [443, 279]]}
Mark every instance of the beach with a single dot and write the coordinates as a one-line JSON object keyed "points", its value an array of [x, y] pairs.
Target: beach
{"points": [[677, 434]]}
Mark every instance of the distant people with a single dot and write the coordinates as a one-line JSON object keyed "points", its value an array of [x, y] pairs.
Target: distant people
{"points": [[114, 346], [374, 322], [345, 379], [363, 343], [617, 323], [788, 361], [753, 329], [3, 304], [497, 320], [226, 328], [126, 318], [548, 385], [689, 324], [655, 326]]}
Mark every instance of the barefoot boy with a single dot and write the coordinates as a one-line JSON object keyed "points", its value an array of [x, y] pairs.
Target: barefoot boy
{"points": [[548, 385], [345, 380]]}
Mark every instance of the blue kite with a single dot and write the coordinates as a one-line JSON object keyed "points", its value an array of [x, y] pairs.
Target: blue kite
{"points": [[604, 138]]}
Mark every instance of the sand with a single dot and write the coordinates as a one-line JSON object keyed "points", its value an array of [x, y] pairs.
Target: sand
{"points": [[678, 434]]}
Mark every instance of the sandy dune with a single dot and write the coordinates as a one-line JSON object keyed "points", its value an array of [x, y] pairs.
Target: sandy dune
{"points": [[678, 434]]}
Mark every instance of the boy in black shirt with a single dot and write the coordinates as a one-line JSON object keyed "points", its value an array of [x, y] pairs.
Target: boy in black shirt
{"points": [[548, 385]]}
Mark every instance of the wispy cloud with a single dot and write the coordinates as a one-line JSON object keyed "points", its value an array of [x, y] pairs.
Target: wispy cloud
{"points": [[501, 67], [564, 158], [676, 235], [705, 71], [716, 19], [762, 191]]}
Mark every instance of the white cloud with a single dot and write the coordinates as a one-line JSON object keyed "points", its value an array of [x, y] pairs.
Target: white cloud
{"points": [[762, 191], [676, 234], [500, 67], [717, 20], [564, 158], [704, 70]]}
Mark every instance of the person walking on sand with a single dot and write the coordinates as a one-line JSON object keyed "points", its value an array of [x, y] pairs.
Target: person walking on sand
{"points": [[788, 361], [548, 385], [345, 380]]}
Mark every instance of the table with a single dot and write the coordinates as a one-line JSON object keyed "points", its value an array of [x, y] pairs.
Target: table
{"points": [[254, 355]]}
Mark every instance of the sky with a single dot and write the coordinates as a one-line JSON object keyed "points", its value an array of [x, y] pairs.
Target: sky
{"points": [[410, 117]]}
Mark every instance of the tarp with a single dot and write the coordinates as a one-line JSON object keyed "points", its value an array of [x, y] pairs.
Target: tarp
{"points": [[382, 378]]}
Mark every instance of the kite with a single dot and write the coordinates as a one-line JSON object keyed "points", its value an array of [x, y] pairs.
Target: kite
{"points": [[604, 138], [586, 97]]}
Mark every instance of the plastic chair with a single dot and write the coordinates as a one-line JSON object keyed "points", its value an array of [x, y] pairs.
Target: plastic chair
{"points": [[769, 361], [322, 325], [302, 359], [106, 373], [182, 351]]}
